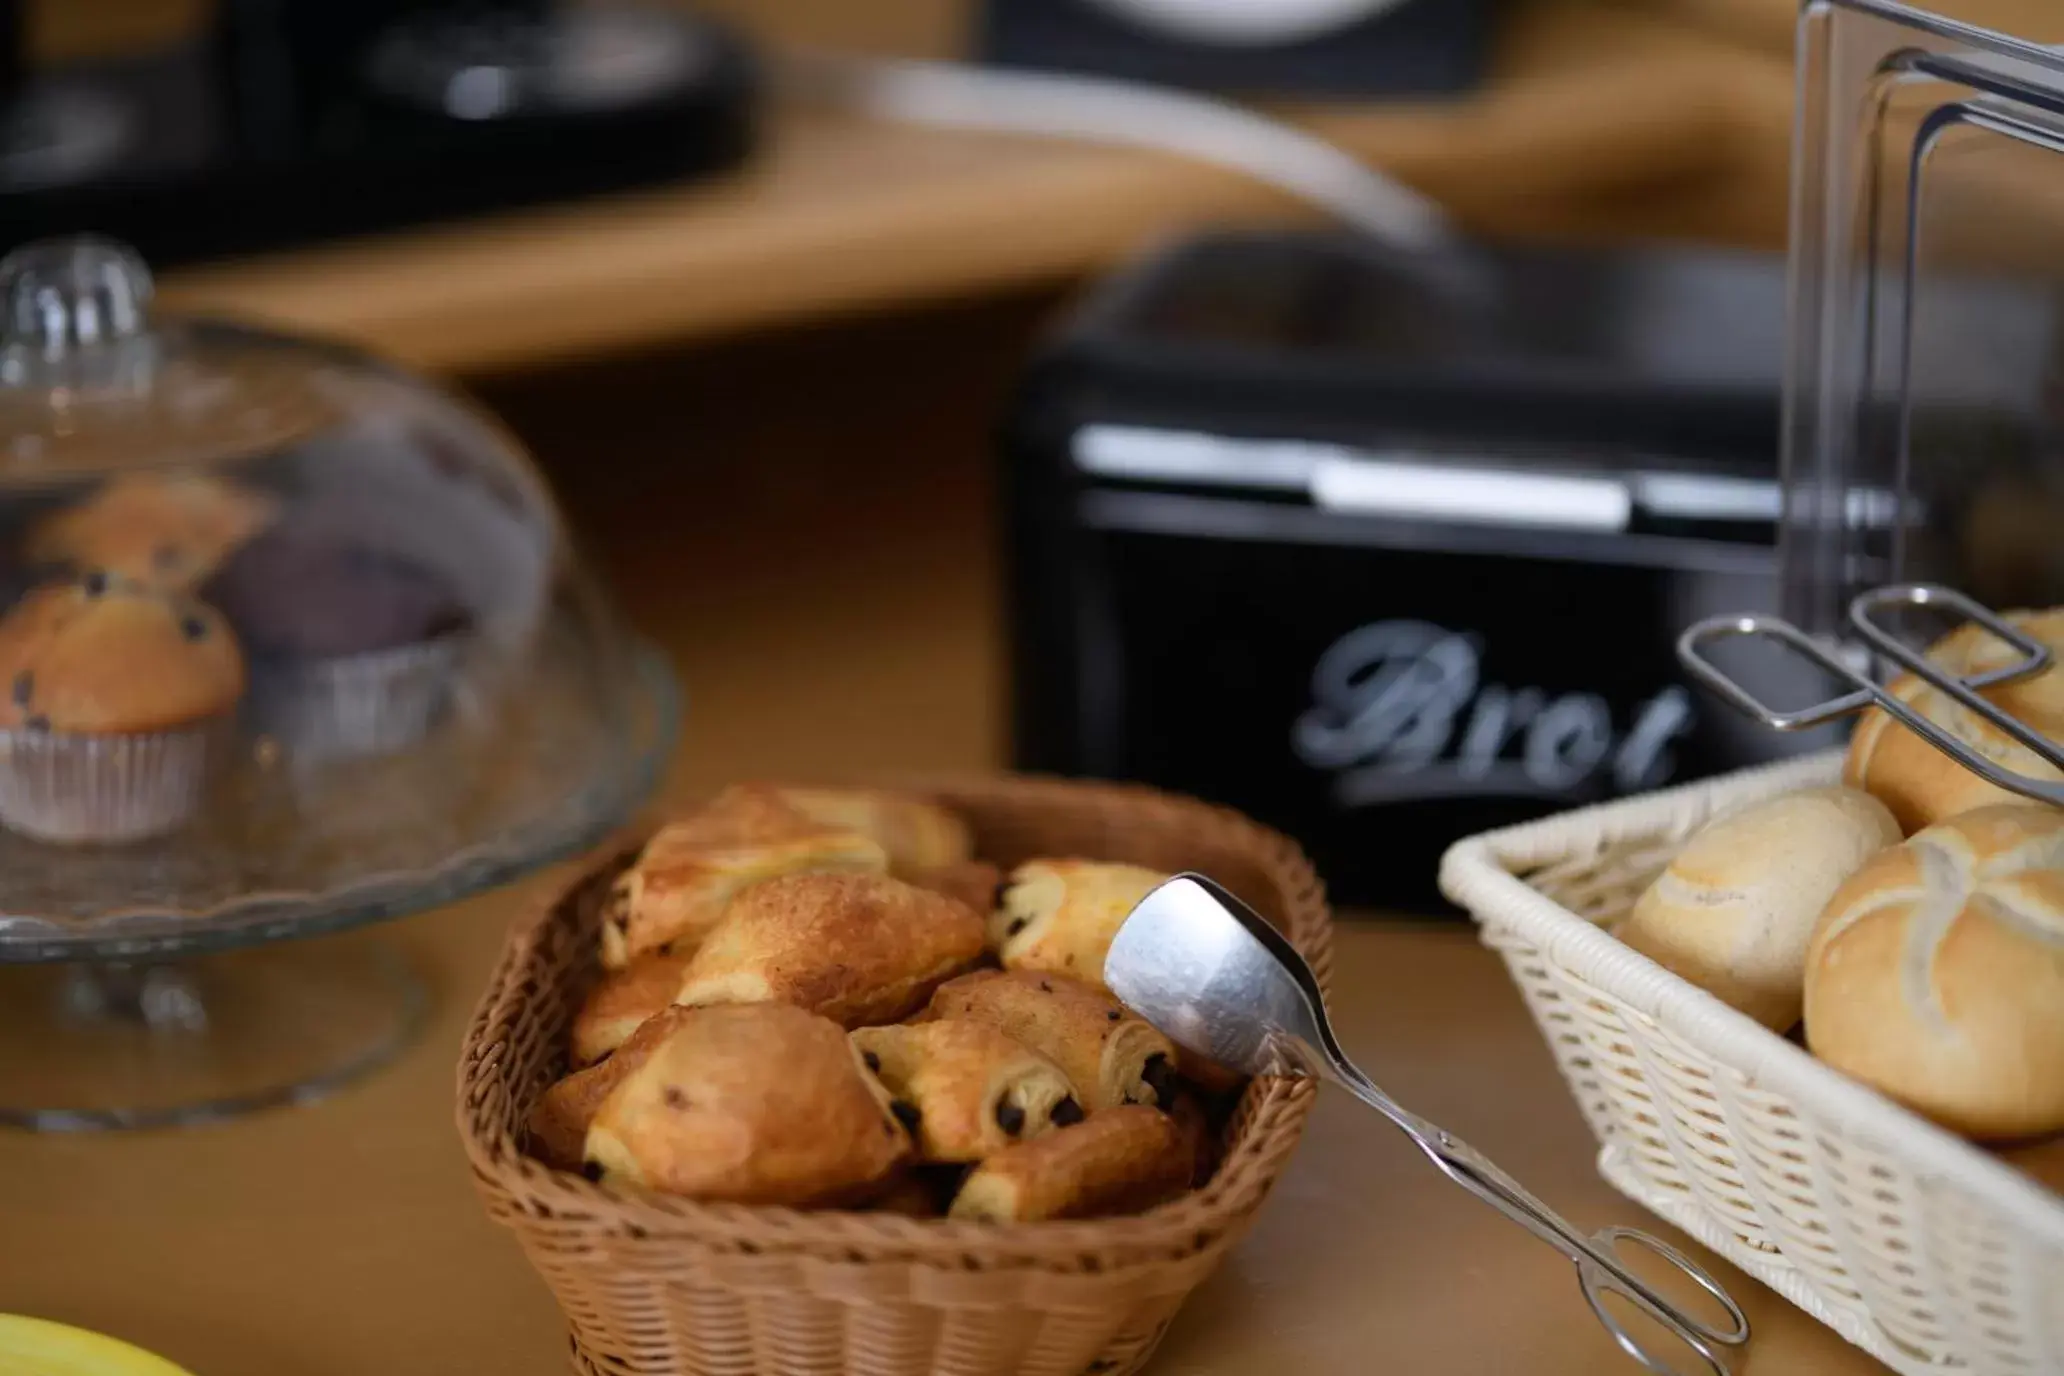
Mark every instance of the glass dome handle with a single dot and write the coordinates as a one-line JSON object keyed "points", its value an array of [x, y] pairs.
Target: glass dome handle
{"points": [[63, 295]]}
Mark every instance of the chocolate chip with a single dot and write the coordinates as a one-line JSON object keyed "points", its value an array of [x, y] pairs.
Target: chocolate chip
{"points": [[1067, 1113], [192, 627], [95, 583], [1116, 1015], [39, 722], [1045, 988], [996, 901], [592, 1170], [674, 1097], [873, 1061], [1160, 1079], [1018, 924], [24, 688], [1009, 1117], [906, 1114]]}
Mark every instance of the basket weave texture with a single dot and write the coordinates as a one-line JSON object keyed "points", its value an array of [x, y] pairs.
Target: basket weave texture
{"points": [[1924, 1250], [651, 1284]]}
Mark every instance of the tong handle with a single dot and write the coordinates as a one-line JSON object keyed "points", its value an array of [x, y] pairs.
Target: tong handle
{"points": [[1599, 1270], [2034, 658], [1691, 653]]}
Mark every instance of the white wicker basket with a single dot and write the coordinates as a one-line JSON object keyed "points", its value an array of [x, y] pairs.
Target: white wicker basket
{"points": [[1911, 1243]]}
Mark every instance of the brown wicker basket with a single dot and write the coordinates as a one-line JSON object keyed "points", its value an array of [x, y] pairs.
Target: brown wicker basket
{"points": [[660, 1285]]}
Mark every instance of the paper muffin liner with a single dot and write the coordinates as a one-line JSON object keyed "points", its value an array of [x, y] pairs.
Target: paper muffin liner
{"points": [[76, 788], [353, 705]]}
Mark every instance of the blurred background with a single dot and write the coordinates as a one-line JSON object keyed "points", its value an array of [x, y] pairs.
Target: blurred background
{"points": [[867, 417]]}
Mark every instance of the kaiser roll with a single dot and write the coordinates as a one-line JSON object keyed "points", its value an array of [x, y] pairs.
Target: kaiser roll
{"points": [[1936, 975], [1921, 784], [1734, 911]]}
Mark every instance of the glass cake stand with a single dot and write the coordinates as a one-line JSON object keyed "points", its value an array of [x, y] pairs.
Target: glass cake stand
{"points": [[291, 641]]}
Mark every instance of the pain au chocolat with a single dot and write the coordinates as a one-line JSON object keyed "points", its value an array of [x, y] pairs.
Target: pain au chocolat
{"points": [[856, 948]]}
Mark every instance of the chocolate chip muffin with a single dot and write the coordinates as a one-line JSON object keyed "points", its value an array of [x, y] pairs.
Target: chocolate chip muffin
{"points": [[353, 648], [165, 531], [112, 695]]}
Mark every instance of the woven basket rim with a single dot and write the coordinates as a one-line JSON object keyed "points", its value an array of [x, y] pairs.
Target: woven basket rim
{"points": [[1273, 1107]]}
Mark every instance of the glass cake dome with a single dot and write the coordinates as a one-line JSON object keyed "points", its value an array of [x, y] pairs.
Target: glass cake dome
{"points": [[290, 639]]}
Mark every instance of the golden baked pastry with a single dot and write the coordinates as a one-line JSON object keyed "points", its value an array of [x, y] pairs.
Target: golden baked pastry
{"points": [[102, 656], [164, 531], [1121, 1161], [1111, 1056], [964, 1089], [677, 889], [917, 834], [558, 1122], [973, 882], [1936, 974], [620, 1003], [760, 1104], [856, 948], [1918, 782], [1061, 915]]}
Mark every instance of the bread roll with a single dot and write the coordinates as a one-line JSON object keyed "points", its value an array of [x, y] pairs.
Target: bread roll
{"points": [[1735, 910], [763, 1104], [856, 948], [676, 891], [1936, 975], [965, 1090], [1921, 784], [1121, 1161], [620, 1003], [917, 833], [559, 1121], [1111, 1056], [1061, 915]]}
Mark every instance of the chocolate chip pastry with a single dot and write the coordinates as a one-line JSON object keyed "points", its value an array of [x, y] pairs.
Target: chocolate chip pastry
{"points": [[965, 1090], [621, 1002], [1123, 1160], [676, 891], [763, 1104], [1060, 915], [1112, 1057], [856, 948], [559, 1120], [918, 835]]}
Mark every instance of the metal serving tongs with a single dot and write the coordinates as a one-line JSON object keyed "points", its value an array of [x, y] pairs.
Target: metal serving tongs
{"points": [[1213, 975], [2034, 658]]}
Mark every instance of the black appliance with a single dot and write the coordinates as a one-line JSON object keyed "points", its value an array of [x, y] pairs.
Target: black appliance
{"points": [[281, 121], [1389, 551], [1315, 47]]}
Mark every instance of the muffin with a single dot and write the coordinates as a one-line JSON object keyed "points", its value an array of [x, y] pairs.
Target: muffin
{"points": [[112, 695], [353, 649], [163, 531]]}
